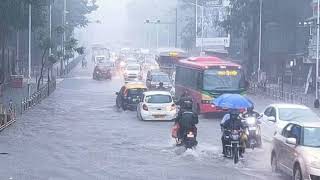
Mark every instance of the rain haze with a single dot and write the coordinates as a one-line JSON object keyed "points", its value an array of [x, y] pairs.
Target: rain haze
{"points": [[159, 89]]}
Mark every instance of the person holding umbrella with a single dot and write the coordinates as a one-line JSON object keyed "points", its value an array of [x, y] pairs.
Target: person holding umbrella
{"points": [[231, 121]]}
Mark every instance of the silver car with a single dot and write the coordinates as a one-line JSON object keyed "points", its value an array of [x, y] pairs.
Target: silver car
{"points": [[296, 150], [277, 116]]}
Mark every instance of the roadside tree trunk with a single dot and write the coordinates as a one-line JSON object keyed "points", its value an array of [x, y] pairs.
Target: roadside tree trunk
{"points": [[42, 68]]}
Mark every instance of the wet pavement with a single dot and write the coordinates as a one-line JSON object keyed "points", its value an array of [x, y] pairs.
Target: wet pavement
{"points": [[78, 133]]}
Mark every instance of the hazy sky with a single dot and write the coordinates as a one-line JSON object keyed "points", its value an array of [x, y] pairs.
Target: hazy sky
{"points": [[112, 14], [114, 27]]}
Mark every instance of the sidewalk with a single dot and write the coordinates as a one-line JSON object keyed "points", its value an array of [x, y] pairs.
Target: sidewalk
{"points": [[16, 95]]}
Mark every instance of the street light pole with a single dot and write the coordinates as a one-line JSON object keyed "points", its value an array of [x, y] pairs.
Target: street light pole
{"points": [[176, 30], [317, 62], [196, 19], [202, 27], [149, 37], [50, 25], [168, 35], [64, 25], [260, 39], [157, 26], [29, 51]]}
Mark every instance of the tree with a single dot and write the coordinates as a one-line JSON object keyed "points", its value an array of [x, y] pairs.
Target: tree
{"points": [[14, 17], [45, 44], [243, 22]]}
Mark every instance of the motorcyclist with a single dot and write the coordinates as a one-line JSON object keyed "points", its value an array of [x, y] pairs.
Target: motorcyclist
{"points": [[84, 63], [183, 98], [230, 121], [160, 87], [250, 113], [186, 118]]}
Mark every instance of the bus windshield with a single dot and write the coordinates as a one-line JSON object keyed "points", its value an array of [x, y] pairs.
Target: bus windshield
{"points": [[222, 79]]}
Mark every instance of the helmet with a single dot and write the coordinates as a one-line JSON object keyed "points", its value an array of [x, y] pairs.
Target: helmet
{"points": [[187, 104], [250, 109], [234, 113]]}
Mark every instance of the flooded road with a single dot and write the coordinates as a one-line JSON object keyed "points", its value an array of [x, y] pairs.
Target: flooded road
{"points": [[78, 133]]}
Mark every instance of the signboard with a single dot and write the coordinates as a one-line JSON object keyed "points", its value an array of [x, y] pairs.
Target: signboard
{"points": [[209, 42], [228, 73], [214, 3]]}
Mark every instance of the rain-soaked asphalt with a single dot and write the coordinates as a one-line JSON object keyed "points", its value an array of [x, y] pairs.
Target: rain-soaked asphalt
{"points": [[78, 134]]}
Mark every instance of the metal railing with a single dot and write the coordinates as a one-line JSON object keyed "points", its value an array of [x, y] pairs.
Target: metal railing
{"points": [[278, 94], [38, 96], [67, 69], [7, 117]]}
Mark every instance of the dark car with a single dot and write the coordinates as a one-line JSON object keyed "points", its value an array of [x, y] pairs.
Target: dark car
{"points": [[154, 77], [129, 95], [102, 71]]}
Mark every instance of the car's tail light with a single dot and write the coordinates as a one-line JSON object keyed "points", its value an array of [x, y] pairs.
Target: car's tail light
{"points": [[173, 107], [205, 101], [145, 107]]}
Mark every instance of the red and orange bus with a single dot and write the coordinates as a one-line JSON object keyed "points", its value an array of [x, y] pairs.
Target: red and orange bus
{"points": [[205, 78]]}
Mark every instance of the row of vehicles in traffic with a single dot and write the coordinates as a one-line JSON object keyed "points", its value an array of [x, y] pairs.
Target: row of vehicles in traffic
{"points": [[150, 105], [294, 130]]}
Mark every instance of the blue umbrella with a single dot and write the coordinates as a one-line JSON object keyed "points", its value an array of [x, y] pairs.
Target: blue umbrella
{"points": [[232, 101]]}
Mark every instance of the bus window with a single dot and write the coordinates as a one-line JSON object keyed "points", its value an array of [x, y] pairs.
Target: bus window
{"points": [[221, 79]]}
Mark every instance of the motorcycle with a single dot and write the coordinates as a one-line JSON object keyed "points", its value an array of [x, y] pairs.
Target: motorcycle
{"points": [[253, 132], [233, 149], [189, 140]]}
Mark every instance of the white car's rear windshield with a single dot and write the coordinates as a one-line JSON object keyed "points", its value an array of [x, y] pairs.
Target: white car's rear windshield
{"points": [[160, 78], [134, 68], [159, 98]]}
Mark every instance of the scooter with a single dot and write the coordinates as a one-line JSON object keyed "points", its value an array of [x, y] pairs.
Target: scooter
{"points": [[253, 132]]}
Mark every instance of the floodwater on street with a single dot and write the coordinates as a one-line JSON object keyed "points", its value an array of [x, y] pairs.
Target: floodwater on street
{"points": [[78, 133]]}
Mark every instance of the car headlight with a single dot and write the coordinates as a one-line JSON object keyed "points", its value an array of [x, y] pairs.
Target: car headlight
{"points": [[122, 64], [251, 120]]}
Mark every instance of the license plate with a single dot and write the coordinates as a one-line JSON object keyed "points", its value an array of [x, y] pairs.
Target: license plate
{"points": [[190, 135], [252, 128], [158, 116]]}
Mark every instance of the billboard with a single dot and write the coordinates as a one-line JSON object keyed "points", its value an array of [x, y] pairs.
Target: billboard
{"points": [[215, 12], [214, 42]]}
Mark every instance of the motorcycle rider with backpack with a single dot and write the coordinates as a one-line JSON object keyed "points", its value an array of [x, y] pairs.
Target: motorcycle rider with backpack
{"points": [[186, 118]]}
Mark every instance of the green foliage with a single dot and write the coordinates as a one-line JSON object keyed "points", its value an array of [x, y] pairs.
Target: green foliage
{"points": [[14, 13], [243, 13], [71, 44], [78, 9], [80, 50], [52, 59]]}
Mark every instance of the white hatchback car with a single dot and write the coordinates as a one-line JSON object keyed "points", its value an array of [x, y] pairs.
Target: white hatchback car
{"points": [[157, 105], [277, 116]]}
